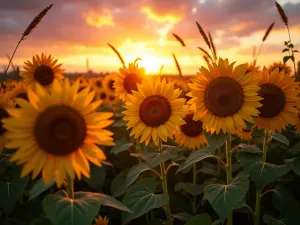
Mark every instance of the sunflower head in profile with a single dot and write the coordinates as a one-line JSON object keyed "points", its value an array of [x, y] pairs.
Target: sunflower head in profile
{"points": [[191, 133], [101, 220], [127, 79], [281, 66], [280, 98], [6, 103], [57, 132], [154, 110], [43, 70], [20, 91], [108, 83], [224, 97]]}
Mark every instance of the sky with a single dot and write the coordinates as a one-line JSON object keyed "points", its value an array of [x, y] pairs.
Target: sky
{"points": [[74, 30]]}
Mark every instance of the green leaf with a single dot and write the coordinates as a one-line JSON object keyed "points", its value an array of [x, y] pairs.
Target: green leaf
{"points": [[207, 170], [184, 217], [252, 149], [97, 178], [41, 221], [281, 198], [286, 58], [295, 51], [223, 198], [272, 221], [118, 185], [217, 222], [62, 210], [261, 173], [39, 187], [280, 138], [201, 219], [121, 147], [11, 190], [296, 166], [193, 189], [154, 159], [109, 201], [285, 50], [141, 198], [119, 123], [291, 45], [197, 156], [155, 222], [135, 171], [215, 141]]}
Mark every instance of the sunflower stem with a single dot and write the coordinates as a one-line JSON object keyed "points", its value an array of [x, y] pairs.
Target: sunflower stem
{"points": [[258, 191], [165, 186], [228, 171], [70, 187], [194, 182]]}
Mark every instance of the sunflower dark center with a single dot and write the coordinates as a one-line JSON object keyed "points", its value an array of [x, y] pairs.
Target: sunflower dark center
{"points": [[60, 130], [192, 128], [98, 83], [3, 114], [273, 100], [112, 98], [223, 96], [111, 85], [103, 96], [44, 75], [131, 81], [155, 110]]}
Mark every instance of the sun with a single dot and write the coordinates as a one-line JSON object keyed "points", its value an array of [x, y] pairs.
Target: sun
{"points": [[151, 63]]}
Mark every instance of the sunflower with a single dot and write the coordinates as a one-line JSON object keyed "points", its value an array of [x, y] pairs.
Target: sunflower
{"points": [[279, 95], [42, 70], [11, 84], [20, 91], [6, 103], [224, 97], [127, 79], [112, 100], [56, 133], [190, 134], [97, 83], [154, 110], [251, 67], [244, 134], [280, 66], [101, 221], [108, 83]]}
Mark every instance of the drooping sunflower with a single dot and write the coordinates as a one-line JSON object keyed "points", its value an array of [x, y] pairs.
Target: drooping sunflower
{"points": [[20, 91], [43, 70], [279, 93], [101, 221], [224, 97], [6, 103], [127, 79], [56, 132], [280, 66], [191, 134], [108, 83], [154, 111]]}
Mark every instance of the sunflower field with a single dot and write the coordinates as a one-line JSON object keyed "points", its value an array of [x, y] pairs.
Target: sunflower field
{"points": [[220, 147]]}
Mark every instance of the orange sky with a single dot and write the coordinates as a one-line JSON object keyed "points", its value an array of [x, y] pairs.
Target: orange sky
{"points": [[145, 30]]}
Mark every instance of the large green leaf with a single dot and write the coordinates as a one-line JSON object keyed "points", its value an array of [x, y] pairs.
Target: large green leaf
{"points": [[223, 198], [197, 156], [97, 177], [62, 210], [41, 221], [201, 219], [261, 173], [109, 201], [184, 217], [11, 190], [296, 166], [134, 173], [193, 189], [272, 221], [141, 198], [252, 149], [39, 187], [121, 147], [154, 159], [280, 138], [216, 140], [118, 185]]}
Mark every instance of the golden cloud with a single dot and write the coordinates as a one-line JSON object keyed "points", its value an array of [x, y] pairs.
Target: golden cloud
{"points": [[101, 19]]}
